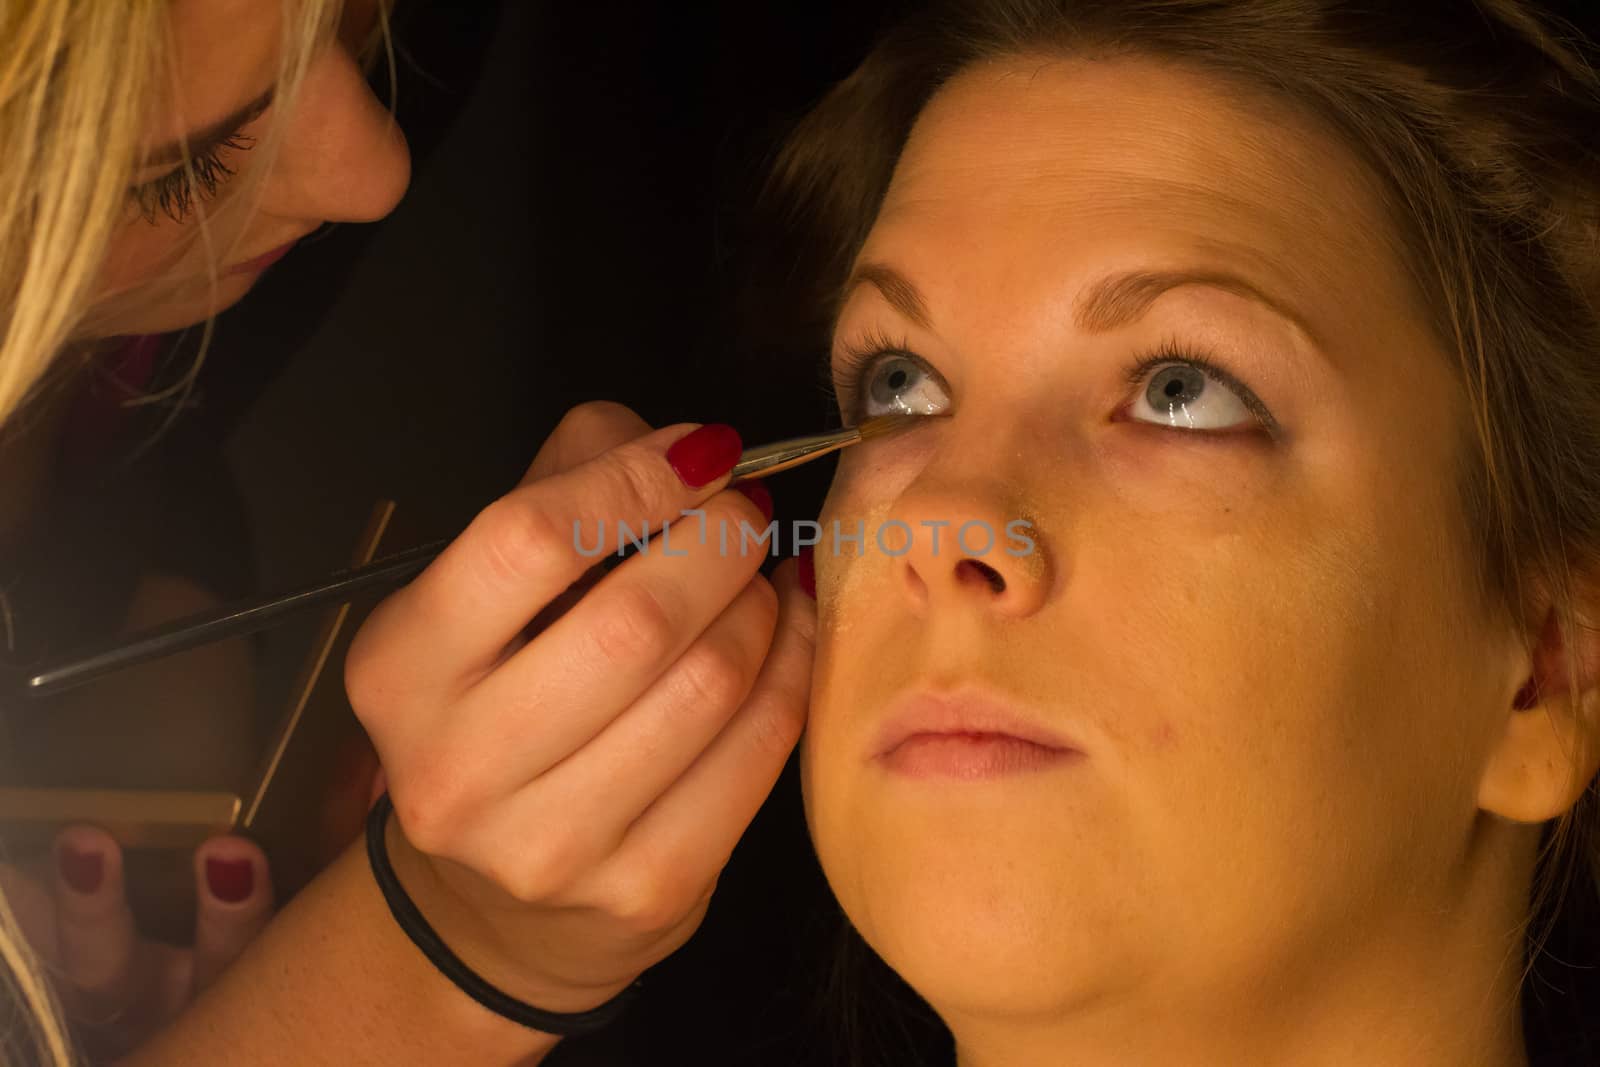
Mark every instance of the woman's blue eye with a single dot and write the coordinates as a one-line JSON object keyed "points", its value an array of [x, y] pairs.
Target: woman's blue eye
{"points": [[896, 383], [1184, 396]]}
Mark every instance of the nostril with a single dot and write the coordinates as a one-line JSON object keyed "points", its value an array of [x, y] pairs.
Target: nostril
{"points": [[973, 570]]}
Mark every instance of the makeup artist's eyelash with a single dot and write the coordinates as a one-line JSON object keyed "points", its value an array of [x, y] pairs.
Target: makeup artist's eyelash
{"points": [[853, 358], [174, 193]]}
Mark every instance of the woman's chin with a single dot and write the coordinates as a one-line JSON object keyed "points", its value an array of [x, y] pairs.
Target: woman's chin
{"points": [[981, 935], [991, 970]]}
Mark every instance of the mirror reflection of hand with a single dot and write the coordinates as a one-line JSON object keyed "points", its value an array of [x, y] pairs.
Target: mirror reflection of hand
{"points": [[117, 987]]}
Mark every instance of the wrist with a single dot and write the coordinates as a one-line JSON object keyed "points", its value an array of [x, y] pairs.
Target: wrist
{"points": [[334, 981], [463, 910]]}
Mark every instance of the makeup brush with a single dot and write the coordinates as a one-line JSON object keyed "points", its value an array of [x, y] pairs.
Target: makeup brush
{"points": [[249, 616], [230, 620], [769, 459]]}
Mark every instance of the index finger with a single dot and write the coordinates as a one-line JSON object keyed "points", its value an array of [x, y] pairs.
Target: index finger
{"points": [[585, 432], [452, 622]]}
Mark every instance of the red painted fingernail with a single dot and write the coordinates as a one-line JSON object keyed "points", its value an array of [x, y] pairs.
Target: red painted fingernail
{"points": [[706, 454], [83, 871], [808, 572], [1526, 696], [759, 496], [230, 881]]}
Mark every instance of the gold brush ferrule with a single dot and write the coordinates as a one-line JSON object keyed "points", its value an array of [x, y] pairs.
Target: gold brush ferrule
{"points": [[780, 456]]}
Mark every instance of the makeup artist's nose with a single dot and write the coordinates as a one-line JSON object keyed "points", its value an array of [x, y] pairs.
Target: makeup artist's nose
{"points": [[342, 158], [962, 548]]}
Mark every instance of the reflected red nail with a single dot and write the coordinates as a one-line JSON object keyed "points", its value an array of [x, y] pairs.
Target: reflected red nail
{"points": [[807, 571], [759, 496], [83, 871], [230, 881], [705, 455]]}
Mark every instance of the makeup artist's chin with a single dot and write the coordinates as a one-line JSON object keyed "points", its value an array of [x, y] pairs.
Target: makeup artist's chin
{"points": [[255, 266], [180, 314], [199, 301]]}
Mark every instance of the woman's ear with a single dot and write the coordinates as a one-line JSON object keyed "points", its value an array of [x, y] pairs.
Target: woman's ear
{"points": [[1549, 748]]}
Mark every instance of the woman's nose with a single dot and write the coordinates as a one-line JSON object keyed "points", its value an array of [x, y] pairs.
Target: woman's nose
{"points": [[963, 549], [342, 158]]}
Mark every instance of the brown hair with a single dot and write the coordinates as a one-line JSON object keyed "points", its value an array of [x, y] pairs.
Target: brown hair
{"points": [[1481, 120]]}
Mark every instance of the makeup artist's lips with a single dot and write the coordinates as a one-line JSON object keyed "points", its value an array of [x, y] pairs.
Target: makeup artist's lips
{"points": [[262, 262], [966, 735]]}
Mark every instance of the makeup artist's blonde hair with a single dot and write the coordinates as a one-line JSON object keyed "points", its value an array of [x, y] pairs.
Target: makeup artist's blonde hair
{"points": [[77, 81]]}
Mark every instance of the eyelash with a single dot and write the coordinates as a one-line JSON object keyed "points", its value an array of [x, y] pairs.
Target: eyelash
{"points": [[1172, 350], [173, 194], [854, 357]]}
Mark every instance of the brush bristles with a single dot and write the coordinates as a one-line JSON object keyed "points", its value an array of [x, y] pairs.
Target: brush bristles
{"points": [[882, 424]]}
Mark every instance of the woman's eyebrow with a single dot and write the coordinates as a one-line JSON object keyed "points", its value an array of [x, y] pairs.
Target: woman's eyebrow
{"points": [[1108, 303], [208, 137], [895, 287], [1118, 299]]}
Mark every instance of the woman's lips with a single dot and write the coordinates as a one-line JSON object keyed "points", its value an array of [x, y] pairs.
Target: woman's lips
{"points": [[263, 261], [971, 756], [965, 735]]}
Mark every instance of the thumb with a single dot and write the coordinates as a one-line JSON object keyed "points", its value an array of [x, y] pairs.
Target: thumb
{"points": [[95, 935], [233, 891]]}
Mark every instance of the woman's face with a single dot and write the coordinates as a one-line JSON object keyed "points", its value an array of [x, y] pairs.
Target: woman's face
{"points": [[1249, 607], [341, 159]]}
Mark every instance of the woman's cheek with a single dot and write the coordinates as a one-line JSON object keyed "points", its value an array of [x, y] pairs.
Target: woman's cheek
{"points": [[1232, 551], [881, 470], [1213, 484]]}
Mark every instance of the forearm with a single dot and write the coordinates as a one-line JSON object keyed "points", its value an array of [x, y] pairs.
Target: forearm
{"points": [[334, 981]]}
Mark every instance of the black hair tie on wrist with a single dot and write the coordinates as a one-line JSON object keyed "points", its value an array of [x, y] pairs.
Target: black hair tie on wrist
{"points": [[449, 964]]}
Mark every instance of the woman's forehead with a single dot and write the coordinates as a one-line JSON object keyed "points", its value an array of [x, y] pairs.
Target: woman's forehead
{"points": [[1044, 151]]}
